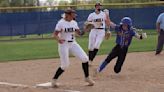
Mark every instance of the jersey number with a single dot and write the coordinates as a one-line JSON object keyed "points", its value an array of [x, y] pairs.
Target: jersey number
{"points": [[72, 37]]}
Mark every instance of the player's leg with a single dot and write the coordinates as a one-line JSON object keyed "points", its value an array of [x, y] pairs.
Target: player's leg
{"points": [[110, 56], [92, 39], [99, 38], [160, 44], [64, 59], [77, 51], [120, 60]]}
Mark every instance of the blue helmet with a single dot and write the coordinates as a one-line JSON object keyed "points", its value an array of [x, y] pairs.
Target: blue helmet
{"points": [[126, 20]]}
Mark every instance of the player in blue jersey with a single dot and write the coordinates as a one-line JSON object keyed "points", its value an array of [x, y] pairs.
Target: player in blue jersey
{"points": [[125, 33]]}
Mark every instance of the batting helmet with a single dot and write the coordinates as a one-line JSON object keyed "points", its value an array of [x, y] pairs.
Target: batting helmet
{"points": [[126, 20]]}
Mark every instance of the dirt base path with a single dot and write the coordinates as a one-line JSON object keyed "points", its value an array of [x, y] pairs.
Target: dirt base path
{"points": [[142, 72]]}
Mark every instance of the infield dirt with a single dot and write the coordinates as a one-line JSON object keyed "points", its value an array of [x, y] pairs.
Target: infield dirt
{"points": [[142, 72]]}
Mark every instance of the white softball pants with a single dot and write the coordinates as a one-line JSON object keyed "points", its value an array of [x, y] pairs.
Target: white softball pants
{"points": [[70, 47], [96, 37]]}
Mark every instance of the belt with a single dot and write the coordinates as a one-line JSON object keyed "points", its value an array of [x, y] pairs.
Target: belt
{"points": [[69, 41], [99, 28]]}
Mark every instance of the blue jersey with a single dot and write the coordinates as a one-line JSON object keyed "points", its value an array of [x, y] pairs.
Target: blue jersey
{"points": [[124, 38]]}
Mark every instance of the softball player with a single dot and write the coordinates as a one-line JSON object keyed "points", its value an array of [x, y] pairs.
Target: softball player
{"points": [[125, 32], [65, 35], [160, 31], [100, 20]]}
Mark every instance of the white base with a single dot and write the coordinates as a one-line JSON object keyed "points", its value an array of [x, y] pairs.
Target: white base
{"points": [[44, 85], [41, 85]]}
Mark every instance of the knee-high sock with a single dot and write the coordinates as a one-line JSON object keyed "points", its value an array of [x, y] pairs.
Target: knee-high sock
{"points": [[90, 55], [85, 67], [58, 73], [94, 53]]}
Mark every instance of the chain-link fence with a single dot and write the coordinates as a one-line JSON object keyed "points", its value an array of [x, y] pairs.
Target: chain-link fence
{"points": [[39, 22]]}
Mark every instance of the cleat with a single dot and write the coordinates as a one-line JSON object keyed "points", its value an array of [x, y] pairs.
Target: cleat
{"points": [[90, 63], [54, 83], [89, 81]]}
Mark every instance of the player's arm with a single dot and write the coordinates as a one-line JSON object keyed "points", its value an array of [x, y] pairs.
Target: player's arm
{"points": [[57, 38], [158, 27], [88, 24], [58, 29], [158, 24], [107, 21], [140, 36], [112, 25], [109, 24], [77, 29], [90, 18], [79, 32]]}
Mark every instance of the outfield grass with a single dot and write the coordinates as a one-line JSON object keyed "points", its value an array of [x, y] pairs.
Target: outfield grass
{"points": [[41, 49], [48, 35]]}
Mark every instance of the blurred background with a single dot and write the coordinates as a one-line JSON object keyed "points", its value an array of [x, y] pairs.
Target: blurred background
{"points": [[26, 19], [12, 3], [26, 26]]}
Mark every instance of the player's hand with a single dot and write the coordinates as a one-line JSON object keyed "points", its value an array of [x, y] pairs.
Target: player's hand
{"points": [[108, 34], [88, 26], [144, 35], [82, 33], [61, 41]]}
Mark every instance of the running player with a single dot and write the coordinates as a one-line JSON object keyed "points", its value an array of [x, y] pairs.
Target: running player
{"points": [[125, 33]]}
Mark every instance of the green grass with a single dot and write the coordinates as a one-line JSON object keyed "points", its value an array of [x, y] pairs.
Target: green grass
{"points": [[41, 49], [32, 49], [48, 35], [34, 36]]}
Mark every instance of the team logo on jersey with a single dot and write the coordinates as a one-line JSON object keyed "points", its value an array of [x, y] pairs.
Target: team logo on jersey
{"points": [[69, 30], [98, 20], [126, 35]]}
